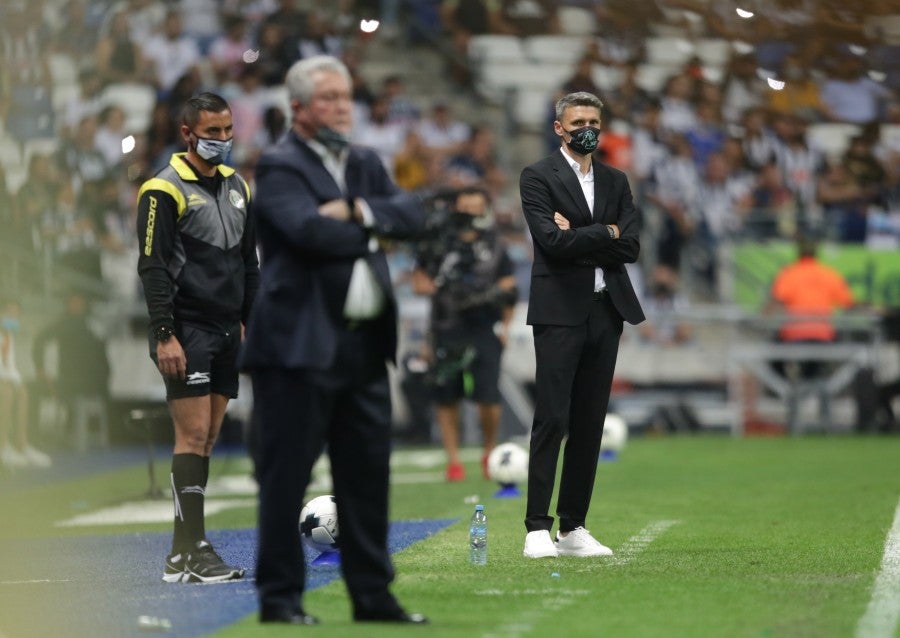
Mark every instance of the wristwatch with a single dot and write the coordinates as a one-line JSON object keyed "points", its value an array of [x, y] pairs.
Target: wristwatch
{"points": [[163, 333], [611, 231]]}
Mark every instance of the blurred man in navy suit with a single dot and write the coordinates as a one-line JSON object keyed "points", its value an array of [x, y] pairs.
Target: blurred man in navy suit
{"points": [[318, 343]]}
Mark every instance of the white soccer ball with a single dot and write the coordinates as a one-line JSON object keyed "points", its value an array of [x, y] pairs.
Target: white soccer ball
{"points": [[508, 464], [319, 524], [615, 433]]}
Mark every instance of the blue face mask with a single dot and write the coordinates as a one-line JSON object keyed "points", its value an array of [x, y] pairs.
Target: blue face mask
{"points": [[213, 151], [10, 324]]}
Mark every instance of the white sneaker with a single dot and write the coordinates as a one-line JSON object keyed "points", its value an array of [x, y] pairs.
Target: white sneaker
{"points": [[579, 542], [539, 545], [35, 457], [12, 458]]}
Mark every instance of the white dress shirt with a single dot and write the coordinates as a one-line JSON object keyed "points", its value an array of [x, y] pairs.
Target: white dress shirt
{"points": [[587, 187]]}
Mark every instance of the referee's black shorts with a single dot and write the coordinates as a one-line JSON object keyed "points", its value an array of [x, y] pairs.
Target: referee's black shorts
{"points": [[211, 362]]}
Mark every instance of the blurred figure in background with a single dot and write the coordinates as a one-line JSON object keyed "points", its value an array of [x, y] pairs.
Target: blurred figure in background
{"points": [[472, 286], [15, 449]]}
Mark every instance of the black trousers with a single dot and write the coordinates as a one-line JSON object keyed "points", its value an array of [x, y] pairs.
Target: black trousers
{"points": [[297, 413], [575, 366]]}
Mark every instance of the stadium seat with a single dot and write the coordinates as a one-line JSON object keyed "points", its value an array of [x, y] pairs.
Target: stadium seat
{"points": [[652, 77], [713, 51], [576, 21], [562, 49], [497, 78], [531, 108], [137, 100], [714, 74], [670, 51], [831, 138], [607, 77], [63, 69], [494, 48], [10, 155], [890, 136]]}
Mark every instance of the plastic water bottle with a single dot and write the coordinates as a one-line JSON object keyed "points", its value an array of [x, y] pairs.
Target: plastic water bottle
{"points": [[478, 537]]}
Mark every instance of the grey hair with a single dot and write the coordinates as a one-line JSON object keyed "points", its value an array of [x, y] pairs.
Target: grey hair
{"points": [[299, 79], [581, 98]]}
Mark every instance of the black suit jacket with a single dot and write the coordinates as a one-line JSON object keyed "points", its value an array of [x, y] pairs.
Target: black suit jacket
{"points": [[307, 259], [562, 276]]}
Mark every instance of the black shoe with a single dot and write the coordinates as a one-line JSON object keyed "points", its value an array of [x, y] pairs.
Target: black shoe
{"points": [[204, 565], [174, 572], [286, 616], [389, 615]]}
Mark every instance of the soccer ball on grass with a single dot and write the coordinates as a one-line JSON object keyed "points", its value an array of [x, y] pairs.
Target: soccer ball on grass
{"points": [[319, 524], [508, 464]]}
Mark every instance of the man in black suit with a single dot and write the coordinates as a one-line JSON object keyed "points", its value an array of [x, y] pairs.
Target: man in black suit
{"points": [[318, 342], [585, 229]]}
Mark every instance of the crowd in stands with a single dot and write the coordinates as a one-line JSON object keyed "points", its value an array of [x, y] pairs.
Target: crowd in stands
{"points": [[714, 151]]}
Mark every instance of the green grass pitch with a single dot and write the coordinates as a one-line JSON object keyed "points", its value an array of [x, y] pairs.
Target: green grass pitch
{"points": [[713, 536]]}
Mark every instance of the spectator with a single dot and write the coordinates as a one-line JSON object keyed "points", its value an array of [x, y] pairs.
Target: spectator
{"points": [[723, 201], [628, 99], [678, 115], [673, 187], [110, 133], [274, 56], [774, 211], [464, 19], [476, 163], [811, 291], [81, 378], [117, 57], [15, 449], [582, 78], [741, 89], [706, 136], [849, 95], [442, 134], [227, 51], [527, 17], [401, 110], [800, 95], [759, 142], [172, 53], [319, 38], [202, 21], [662, 306], [412, 163], [800, 166], [845, 203], [248, 100], [648, 143], [380, 134]]}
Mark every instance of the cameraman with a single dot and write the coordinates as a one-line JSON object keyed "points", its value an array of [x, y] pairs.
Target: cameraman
{"points": [[470, 280]]}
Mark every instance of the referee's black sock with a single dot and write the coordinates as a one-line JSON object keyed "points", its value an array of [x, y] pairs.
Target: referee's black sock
{"points": [[188, 488]]}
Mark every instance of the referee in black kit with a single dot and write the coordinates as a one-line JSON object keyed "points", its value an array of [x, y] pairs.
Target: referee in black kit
{"points": [[200, 273]]}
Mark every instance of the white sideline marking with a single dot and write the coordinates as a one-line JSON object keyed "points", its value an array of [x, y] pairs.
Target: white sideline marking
{"points": [[552, 599], [39, 581], [638, 543], [883, 611], [146, 512]]}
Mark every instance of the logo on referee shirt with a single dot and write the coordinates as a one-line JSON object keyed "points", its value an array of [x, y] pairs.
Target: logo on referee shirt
{"points": [[236, 199]]}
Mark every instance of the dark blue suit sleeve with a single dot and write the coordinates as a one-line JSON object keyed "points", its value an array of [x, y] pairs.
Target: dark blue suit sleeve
{"points": [[285, 203]]}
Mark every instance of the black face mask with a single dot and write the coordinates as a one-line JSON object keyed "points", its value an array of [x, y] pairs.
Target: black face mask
{"points": [[331, 139], [584, 140]]}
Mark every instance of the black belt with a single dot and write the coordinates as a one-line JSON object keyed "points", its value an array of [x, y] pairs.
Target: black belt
{"points": [[601, 294]]}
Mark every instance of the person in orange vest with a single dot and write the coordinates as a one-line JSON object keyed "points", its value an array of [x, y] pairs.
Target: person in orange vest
{"points": [[811, 291]]}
